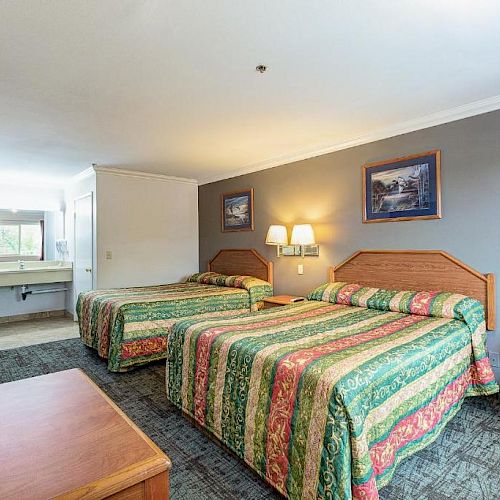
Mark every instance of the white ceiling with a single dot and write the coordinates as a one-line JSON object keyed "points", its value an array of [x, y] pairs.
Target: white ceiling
{"points": [[170, 86]]}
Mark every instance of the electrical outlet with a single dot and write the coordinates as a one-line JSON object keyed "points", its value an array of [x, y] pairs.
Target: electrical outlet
{"points": [[109, 254], [495, 359], [300, 269]]}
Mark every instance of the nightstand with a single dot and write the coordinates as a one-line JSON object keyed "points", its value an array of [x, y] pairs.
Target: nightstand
{"points": [[281, 300]]}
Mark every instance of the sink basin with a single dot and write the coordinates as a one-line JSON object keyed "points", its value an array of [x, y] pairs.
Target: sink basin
{"points": [[45, 271]]}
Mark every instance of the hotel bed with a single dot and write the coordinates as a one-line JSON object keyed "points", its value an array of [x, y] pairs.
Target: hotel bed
{"points": [[324, 398], [129, 326]]}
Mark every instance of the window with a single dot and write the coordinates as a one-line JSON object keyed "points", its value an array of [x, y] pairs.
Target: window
{"points": [[19, 239]]}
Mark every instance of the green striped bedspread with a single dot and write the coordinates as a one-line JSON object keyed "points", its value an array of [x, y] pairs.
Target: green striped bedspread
{"points": [[323, 398], [129, 326]]}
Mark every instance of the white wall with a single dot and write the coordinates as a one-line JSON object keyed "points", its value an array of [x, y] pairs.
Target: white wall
{"points": [[30, 197], [150, 224], [54, 230]]}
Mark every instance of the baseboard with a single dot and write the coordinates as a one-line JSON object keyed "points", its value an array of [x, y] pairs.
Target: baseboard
{"points": [[35, 315], [69, 315]]}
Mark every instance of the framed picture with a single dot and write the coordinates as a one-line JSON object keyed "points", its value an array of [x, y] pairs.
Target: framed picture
{"points": [[237, 211], [401, 189]]}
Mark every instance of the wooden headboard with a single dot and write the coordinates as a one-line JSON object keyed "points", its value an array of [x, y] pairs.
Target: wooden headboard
{"points": [[247, 262], [418, 270]]}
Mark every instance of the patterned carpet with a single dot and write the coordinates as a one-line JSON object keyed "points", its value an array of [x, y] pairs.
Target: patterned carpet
{"points": [[463, 463]]}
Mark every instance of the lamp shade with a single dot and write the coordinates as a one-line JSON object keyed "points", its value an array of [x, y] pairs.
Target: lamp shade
{"points": [[277, 235], [302, 234]]}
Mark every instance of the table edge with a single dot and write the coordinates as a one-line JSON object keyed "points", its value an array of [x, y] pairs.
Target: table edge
{"points": [[121, 480]]}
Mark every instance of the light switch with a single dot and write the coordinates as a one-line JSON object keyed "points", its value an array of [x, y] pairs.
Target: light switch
{"points": [[300, 269], [109, 254]]}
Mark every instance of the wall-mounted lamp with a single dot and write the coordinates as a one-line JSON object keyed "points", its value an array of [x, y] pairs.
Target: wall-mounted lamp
{"points": [[277, 235], [303, 235], [303, 242]]}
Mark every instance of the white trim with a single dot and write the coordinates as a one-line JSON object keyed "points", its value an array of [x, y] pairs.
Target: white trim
{"points": [[78, 198], [142, 175], [82, 175], [431, 120]]}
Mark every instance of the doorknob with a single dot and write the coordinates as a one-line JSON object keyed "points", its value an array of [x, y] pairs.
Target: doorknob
{"points": [[88, 269]]}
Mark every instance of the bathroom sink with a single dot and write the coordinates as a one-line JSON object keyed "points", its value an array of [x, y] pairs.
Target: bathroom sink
{"points": [[45, 271]]}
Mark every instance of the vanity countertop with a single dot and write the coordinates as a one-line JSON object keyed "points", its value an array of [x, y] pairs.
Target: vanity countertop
{"points": [[34, 272], [35, 266]]}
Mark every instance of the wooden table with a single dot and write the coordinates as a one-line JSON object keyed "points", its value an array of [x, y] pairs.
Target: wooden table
{"points": [[61, 436]]}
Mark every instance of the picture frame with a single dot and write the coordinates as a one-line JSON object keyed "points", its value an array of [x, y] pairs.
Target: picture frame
{"points": [[237, 211], [402, 189]]}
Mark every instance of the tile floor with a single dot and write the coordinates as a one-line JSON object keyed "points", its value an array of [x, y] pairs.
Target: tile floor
{"points": [[37, 331]]}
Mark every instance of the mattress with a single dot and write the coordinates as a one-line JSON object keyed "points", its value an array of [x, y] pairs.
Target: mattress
{"points": [[325, 398], [129, 326]]}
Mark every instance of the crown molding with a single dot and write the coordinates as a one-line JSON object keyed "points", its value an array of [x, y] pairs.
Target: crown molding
{"points": [[127, 173], [439, 118], [82, 175], [142, 175]]}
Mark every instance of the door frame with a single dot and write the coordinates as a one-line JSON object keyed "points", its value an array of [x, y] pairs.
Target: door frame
{"points": [[75, 200]]}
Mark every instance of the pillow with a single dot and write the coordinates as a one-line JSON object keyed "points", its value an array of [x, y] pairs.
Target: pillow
{"points": [[208, 278], [257, 289], [423, 303]]}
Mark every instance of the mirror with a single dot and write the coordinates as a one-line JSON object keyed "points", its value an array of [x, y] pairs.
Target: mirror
{"points": [[30, 234]]}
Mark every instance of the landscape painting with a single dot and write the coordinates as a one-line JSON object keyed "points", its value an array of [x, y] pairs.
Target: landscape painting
{"points": [[402, 189], [237, 211]]}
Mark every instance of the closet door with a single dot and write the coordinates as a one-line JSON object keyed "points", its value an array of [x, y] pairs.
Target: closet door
{"points": [[83, 265]]}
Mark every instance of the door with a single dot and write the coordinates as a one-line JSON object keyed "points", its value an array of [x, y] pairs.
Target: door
{"points": [[83, 265]]}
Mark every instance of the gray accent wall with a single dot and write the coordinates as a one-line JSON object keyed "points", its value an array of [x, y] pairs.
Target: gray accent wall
{"points": [[326, 192]]}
